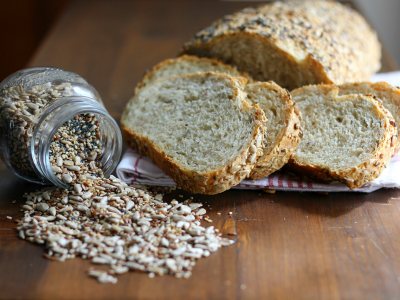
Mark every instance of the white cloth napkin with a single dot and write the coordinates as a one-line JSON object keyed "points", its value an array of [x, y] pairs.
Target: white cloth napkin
{"points": [[136, 168], [392, 78]]}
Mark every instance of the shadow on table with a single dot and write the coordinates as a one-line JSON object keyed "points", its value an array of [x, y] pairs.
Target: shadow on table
{"points": [[333, 204], [12, 188]]}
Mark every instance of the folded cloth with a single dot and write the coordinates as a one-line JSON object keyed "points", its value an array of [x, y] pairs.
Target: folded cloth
{"points": [[136, 168], [392, 78]]}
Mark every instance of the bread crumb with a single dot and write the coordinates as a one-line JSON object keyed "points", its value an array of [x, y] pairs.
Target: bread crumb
{"points": [[269, 191]]}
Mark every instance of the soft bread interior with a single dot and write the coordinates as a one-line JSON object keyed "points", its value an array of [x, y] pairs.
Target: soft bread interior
{"points": [[269, 64], [202, 122], [339, 132], [389, 95]]}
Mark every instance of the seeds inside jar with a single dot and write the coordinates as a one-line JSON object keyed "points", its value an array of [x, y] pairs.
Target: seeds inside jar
{"points": [[75, 149], [18, 111]]}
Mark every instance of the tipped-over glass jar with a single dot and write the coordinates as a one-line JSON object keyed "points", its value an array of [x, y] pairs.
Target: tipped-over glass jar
{"points": [[54, 128]]}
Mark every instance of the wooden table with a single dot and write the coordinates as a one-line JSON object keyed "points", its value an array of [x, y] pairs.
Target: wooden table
{"points": [[289, 245]]}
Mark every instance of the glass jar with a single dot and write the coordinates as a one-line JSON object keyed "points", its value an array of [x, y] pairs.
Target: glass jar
{"points": [[34, 104]]}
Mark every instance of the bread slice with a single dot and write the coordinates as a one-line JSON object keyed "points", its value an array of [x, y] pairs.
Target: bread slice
{"points": [[198, 128], [293, 43], [283, 132], [188, 64], [388, 94], [348, 138]]}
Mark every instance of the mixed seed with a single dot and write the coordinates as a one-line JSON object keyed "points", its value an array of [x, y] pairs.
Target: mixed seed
{"points": [[127, 227], [18, 111], [76, 149]]}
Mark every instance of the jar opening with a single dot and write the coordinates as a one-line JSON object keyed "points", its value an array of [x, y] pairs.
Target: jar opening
{"points": [[55, 116]]}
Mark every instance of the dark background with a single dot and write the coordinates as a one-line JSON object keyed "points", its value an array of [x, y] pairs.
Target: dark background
{"points": [[24, 23]]}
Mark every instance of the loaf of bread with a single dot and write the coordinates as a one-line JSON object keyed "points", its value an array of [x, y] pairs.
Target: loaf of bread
{"points": [[283, 132], [388, 94], [188, 64], [293, 43], [200, 129], [348, 138]]}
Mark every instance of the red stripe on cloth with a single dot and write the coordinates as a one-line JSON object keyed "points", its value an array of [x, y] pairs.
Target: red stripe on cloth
{"points": [[299, 184], [136, 164], [289, 183], [271, 180], [309, 185], [280, 178]]}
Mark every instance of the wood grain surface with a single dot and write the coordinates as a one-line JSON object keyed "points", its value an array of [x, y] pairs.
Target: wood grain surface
{"points": [[288, 245]]}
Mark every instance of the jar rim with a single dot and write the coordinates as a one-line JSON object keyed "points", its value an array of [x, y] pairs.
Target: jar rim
{"points": [[55, 115]]}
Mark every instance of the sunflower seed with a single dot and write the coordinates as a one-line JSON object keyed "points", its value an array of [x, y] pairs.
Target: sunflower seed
{"points": [[66, 178], [42, 207], [132, 229]]}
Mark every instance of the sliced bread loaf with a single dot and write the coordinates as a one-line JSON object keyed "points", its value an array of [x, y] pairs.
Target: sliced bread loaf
{"points": [[198, 128], [388, 94], [188, 64], [283, 129], [293, 43], [283, 132], [347, 138]]}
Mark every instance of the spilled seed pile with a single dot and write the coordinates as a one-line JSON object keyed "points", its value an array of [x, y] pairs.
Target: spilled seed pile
{"points": [[124, 226], [127, 227]]}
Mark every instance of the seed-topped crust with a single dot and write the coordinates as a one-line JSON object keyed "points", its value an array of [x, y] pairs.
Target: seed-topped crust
{"points": [[275, 157], [368, 170], [307, 42], [210, 64], [210, 181], [388, 94]]}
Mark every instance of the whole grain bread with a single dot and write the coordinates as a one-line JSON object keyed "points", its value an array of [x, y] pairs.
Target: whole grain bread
{"points": [[188, 64], [283, 132], [348, 138], [283, 129], [383, 91], [293, 43], [200, 129]]}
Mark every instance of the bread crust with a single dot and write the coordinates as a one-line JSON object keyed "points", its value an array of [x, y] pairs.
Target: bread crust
{"points": [[290, 136], [189, 58], [214, 181], [382, 91], [308, 36], [368, 170]]}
